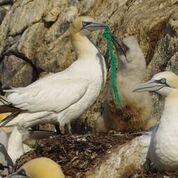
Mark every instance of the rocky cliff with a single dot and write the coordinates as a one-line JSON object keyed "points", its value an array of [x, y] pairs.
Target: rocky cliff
{"points": [[34, 38]]}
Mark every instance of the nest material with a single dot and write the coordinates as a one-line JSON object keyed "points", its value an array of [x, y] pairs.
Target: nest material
{"points": [[76, 153]]}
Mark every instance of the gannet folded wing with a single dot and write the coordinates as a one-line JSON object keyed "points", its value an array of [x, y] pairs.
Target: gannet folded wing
{"points": [[48, 96]]}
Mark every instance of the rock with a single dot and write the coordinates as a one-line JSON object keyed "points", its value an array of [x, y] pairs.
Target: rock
{"points": [[124, 160], [15, 72], [3, 12], [2, 2], [31, 40], [146, 20], [27, 12], [55, 8], [165, 54]]}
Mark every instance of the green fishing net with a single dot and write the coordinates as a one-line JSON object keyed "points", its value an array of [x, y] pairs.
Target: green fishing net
{"points": [[112, 61]]}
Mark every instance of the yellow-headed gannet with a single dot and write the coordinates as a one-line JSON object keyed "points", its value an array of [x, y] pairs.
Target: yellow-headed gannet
{"points": [[63, 96], [39, 168], [163, 151], [134, 112]]}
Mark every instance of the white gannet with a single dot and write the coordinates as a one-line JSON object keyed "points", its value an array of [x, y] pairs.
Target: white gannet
{"points": [[64, 96], [22, 140], [163, 151], [6, 164], [3, 137], [134, 112], [15, 146], [39, 168]]}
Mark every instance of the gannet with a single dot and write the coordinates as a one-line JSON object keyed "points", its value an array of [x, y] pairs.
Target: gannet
{"points": [[63, 96], [133, 112], [3, 137], [163, 151], [15, 146], [22, 140], [39, 168], [6, 164]]}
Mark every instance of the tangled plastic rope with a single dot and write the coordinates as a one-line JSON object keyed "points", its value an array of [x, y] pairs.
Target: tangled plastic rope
{"points": [[112, 60]]}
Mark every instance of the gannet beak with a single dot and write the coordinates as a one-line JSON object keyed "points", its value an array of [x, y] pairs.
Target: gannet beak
{"points": [[18, 174], [151, 85], [91, 26]]}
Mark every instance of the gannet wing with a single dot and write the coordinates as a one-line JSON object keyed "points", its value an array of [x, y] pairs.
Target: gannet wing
{"points": [[51, 96]]}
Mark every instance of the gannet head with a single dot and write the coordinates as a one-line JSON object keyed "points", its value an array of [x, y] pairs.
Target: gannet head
{"points": [[162, 83], [84, 25], [39, 168]]}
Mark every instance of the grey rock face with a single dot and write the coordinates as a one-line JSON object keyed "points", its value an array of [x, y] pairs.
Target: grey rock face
{"points": [[2, 2], [15, 72], [37, 31]]}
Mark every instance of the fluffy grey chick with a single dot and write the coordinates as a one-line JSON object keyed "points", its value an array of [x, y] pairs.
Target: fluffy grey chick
{"points": [[135, 110]]}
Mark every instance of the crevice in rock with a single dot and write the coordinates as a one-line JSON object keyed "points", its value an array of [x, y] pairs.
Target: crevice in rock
{"points": [[36, 70], [48, 24], [6, 2], [154, 36]]}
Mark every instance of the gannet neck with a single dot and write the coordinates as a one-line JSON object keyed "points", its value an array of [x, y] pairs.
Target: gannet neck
{"points": [[164, 146], [83, 46], [15, 144], [170, 112]]}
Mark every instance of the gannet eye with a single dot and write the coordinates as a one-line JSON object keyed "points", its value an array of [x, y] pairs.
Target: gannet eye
{"points": [[163, 81], [22, 172]]}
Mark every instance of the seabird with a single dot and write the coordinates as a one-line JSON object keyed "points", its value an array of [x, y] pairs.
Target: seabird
{"points": [[163, 150], [15, 146], [39, 168], [3, 137], [22, 140], [6, 164], [63, 96], [134, 112]]}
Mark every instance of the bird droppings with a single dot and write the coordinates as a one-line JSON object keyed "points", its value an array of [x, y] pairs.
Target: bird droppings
{"points": [[76, 153]]}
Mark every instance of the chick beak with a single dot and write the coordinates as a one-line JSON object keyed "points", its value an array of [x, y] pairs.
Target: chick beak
{"points": [[150, 86]]}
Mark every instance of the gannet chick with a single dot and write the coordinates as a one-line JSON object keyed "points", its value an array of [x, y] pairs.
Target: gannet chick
{"points": [[39, 168], [134, 112], [64, 96], [163, 151]]}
